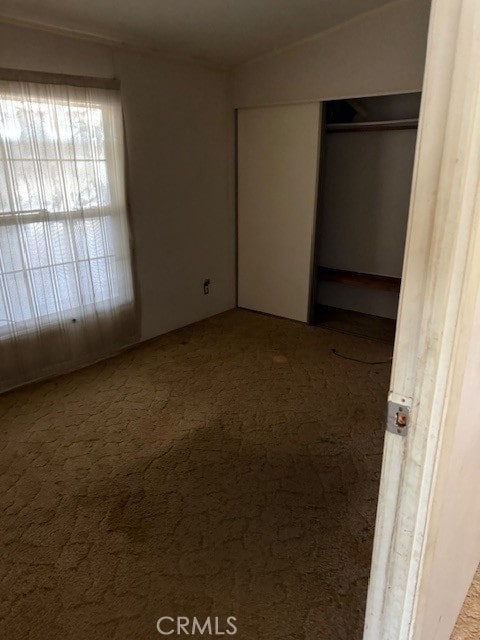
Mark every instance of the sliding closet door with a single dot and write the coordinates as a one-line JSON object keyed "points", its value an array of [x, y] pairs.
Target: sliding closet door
{"points": [[278, 150]]}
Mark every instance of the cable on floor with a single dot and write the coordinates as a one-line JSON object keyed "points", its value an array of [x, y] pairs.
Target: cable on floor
{"points": [[340, 355]]}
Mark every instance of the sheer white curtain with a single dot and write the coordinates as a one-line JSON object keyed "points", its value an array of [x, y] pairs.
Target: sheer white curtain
{"points": [[66, 294]]}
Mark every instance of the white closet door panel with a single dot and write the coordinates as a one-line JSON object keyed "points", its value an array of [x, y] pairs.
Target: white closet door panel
{"points": [[278, 151]]}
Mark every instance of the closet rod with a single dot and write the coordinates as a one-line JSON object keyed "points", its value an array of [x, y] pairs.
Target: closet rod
{"points": [[385, 125]]}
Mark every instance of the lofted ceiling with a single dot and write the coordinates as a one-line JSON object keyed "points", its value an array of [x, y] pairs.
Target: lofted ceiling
{"points": [[225, 32]]}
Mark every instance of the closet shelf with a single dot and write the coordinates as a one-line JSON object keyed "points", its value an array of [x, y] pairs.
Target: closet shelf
{"points": [[363, 280], [384, 125]]}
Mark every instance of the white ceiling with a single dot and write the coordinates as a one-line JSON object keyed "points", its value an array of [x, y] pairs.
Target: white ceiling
{"points": [[226, 32]]}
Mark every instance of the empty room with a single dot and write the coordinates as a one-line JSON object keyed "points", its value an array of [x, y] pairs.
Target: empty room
{"points": [[239, 319]]}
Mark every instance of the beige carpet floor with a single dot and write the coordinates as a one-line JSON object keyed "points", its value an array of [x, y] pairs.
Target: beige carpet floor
{"points": [[230, 468], [468, 623]]}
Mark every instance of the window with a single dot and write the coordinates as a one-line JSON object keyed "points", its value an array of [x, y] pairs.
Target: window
{"points": [[64, 243]]}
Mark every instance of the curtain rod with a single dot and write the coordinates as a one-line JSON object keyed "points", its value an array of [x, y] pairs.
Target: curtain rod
{"points": [[20, 75]]}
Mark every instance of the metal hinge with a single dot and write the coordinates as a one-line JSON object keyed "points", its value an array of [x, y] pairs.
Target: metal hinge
{"points": [[398, 415]]}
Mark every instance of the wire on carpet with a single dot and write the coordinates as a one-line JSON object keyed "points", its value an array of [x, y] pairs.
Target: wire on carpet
{"points": [[339, 355]]}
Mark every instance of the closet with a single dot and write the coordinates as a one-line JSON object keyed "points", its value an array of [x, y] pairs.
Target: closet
{"points": [[322, 203], [366, 167]]}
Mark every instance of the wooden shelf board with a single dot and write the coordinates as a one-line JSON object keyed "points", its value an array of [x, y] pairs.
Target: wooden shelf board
{"points": [[355, 279]]}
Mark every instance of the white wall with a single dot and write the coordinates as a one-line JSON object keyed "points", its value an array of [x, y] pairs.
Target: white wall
{"points": [[179, 131], [378, 53]]}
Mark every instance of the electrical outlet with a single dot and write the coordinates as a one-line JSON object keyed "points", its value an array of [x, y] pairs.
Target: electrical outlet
{"points": [[206, 286]]}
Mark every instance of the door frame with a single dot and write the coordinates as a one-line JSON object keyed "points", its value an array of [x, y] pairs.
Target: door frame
{"points": [[441, 274], [312, 303]]}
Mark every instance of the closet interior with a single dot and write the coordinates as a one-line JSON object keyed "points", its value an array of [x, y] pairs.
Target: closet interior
{"points": [[365, 174]]}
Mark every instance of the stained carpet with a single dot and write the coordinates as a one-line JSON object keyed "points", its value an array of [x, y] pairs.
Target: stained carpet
{"points": [[230, 468]]}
